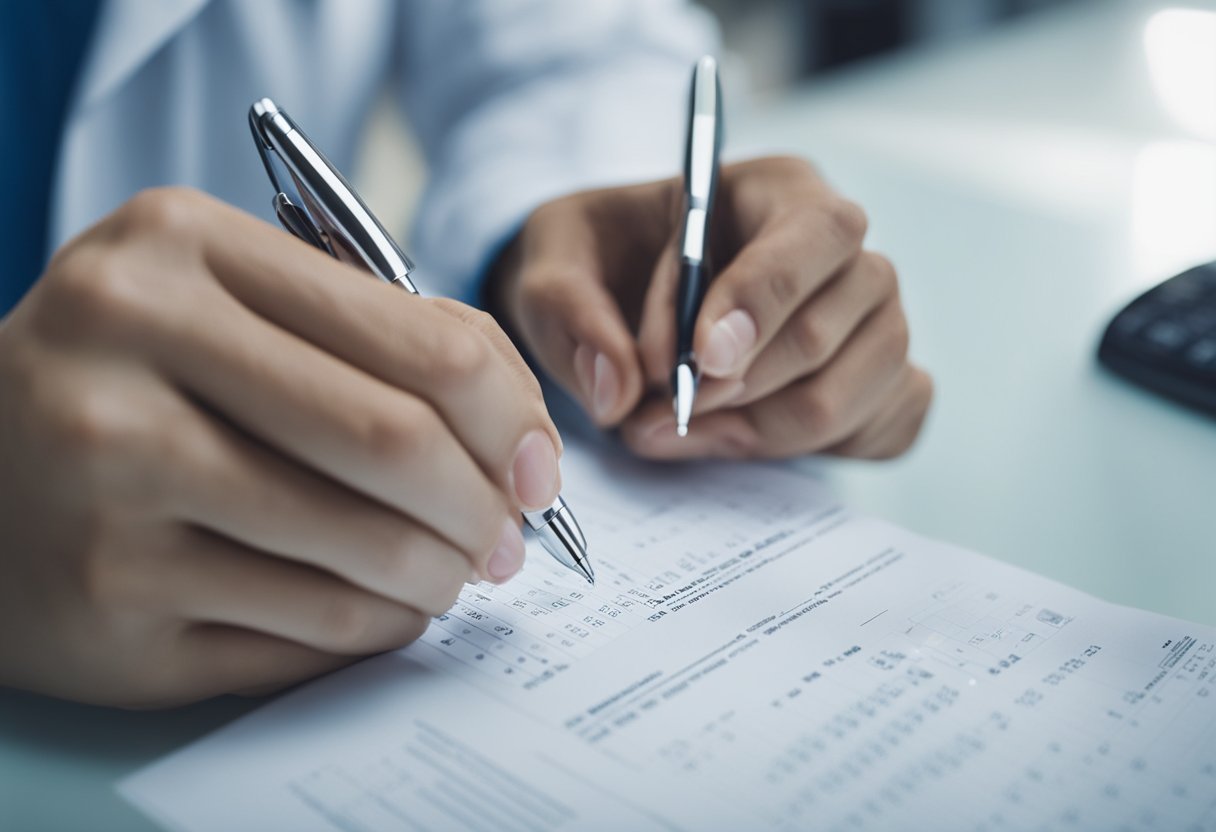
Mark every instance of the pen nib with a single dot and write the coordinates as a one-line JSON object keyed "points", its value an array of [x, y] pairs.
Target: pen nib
{"points": [[584, 566], [561, 536], [684, 381]]}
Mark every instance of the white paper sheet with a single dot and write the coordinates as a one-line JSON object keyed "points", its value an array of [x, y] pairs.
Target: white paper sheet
{"points": [[754, 656]]}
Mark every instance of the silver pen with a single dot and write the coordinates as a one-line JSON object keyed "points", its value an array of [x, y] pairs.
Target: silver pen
{"points": [[315, 203], [701, 153]]}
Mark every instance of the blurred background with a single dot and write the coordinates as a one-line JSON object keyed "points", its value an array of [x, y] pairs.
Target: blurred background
{"points": [[782, 42], [769, 48], [1030, 166]]}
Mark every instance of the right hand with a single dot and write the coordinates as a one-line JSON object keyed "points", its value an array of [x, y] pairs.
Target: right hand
{"points": [[229, 462]]}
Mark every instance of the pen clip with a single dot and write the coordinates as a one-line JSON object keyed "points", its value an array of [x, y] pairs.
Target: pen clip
{"points": [[346, 226], [701, 152], [291, 213], [275, 168], [296, 220]]}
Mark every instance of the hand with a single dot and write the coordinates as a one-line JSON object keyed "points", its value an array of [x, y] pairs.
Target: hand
{"points": [[801, 339], [229, 462]]}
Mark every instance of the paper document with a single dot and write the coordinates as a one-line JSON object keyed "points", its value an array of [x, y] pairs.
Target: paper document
{"points": [[753, 656]]}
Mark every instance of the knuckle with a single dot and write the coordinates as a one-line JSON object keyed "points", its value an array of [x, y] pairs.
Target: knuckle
{"points": [[533, 289], [883, 270], [479, 320], [94, 291], [847, 221], [96, 422], [817, 408], [348, 621], [399, 435], [121, 455], [544, 289], [390, 559], [782, 284], [544, 279], [408, 567], [172, 211], [482, 321], [810, 340], [529, 385], [460, 354]]}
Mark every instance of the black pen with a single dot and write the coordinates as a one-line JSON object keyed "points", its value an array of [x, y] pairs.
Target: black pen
{"points": [[329, 214], [701, 153]]}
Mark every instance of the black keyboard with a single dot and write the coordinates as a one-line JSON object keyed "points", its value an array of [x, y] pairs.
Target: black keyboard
{"points": [[1165, 339]]}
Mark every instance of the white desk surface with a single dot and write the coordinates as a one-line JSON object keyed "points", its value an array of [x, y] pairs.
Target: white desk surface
{"points": [[1026, 185]]}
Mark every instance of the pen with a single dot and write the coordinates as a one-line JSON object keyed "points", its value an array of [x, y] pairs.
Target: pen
{"points": [[700, 185], [327, 213]]}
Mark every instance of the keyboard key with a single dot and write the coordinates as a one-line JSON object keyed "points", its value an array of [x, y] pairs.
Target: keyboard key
{"points": [[1202, 354], [1167, 335], [1202, 320], [1133, 320]]}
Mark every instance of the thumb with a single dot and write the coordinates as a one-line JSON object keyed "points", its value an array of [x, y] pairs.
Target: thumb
{"points": [[575, 329]]}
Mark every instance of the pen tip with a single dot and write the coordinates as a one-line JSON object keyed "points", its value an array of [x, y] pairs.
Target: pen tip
{"points": [[685, 384]]}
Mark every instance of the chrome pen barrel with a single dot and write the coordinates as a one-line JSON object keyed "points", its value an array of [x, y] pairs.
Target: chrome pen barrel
{"points": [[561, 536]]}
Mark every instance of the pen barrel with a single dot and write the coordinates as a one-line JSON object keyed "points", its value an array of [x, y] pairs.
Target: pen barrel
{"points": [[689, 294]]}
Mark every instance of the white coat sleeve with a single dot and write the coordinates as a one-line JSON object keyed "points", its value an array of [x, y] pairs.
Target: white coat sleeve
{"points": [[516, 102]]}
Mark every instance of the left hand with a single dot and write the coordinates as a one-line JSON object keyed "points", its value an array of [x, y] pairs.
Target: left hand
{"points": [[801, 339]]}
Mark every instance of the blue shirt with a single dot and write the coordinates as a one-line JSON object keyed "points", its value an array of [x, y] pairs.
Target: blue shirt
{"points": [[42, 43]]}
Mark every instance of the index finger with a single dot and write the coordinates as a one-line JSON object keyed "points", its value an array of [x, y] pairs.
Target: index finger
{"points": [[441, 351]]}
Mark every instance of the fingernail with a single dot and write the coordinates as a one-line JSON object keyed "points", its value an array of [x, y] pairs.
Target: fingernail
{"points": [[584, 370], [534, 471], [606, 388], [730, 339], [508, 556]]}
